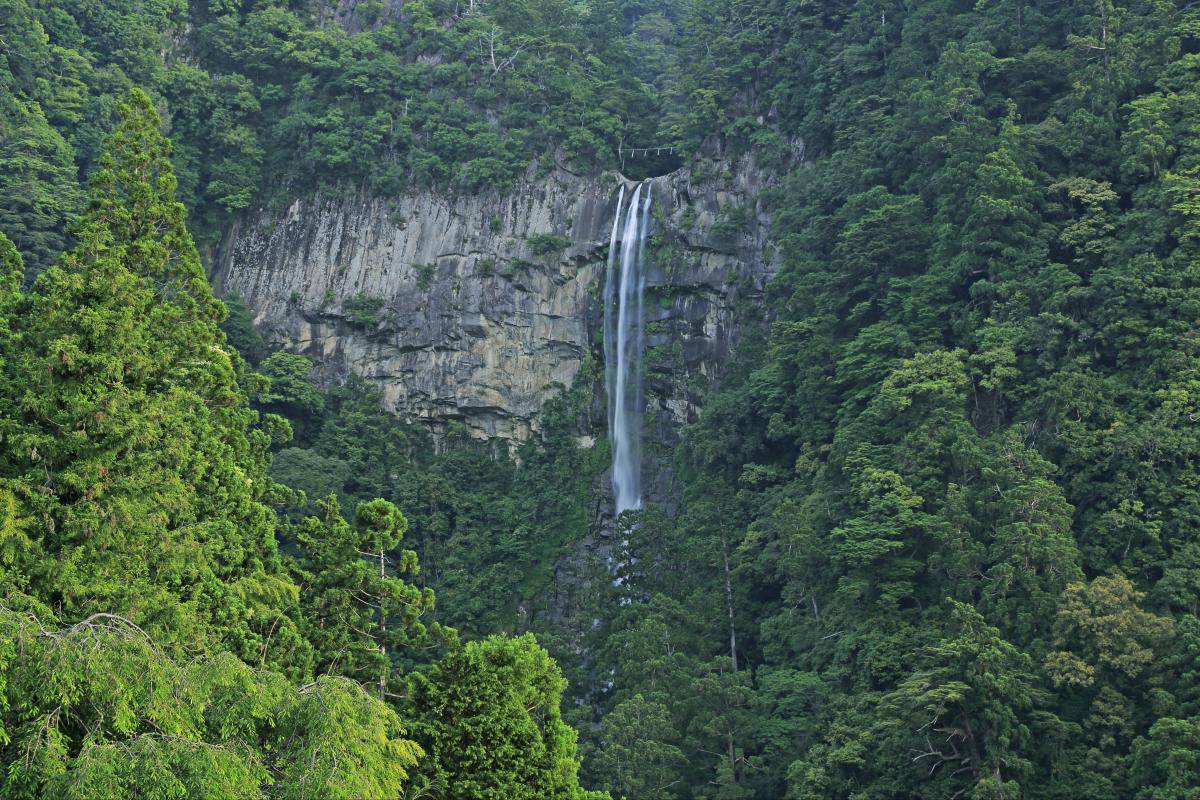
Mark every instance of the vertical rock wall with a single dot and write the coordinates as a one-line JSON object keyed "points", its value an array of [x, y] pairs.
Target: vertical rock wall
{"points": [[478, 308]]}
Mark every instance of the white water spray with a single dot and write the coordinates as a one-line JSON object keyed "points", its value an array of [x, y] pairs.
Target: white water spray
{"points": [[623, 342], [610, 314]]}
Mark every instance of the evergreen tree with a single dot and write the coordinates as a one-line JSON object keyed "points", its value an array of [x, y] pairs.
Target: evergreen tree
{"points": [[490, 722], [936, 529], [39, 189], [126, 435], [968, 707], [356, 612], [12, 269], [98, 710], [637, 754]]}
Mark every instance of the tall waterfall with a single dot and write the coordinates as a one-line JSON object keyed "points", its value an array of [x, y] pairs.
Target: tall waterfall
{"points": [[624, 287]]}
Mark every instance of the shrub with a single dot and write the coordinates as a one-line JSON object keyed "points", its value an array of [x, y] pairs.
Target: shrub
{"points": [[363, 309], [544, 244]]}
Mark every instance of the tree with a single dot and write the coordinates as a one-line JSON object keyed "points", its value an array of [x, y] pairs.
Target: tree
{"points": [[1104, 661], [290, 393], [97, 710], [357, 430], [724, 715], [356, 611], [1101, 632], [310, 472], [12, 269], [1165, 764], [490, 722], [239, 331], [125, 434], [637, 754], [968, 707], [39, 186]]}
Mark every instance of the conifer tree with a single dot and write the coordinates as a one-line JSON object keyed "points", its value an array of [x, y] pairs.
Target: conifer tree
{"points": [[39, 188], [357, 612], [489, 719], [124, 434], [97, 710], [11, 269]]}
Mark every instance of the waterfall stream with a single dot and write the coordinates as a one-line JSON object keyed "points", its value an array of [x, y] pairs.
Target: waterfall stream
{"points": [[624, 287]]}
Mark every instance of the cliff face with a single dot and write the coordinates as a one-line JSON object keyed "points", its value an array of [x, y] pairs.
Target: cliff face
{"points": [[479, 308]]}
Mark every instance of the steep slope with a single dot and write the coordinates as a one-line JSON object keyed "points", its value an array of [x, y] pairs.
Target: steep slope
{"points": [[479, 307]]}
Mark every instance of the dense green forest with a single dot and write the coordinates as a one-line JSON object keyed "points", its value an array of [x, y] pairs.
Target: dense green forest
{"points": [[936, 532], [167, 631], [276, 97]]}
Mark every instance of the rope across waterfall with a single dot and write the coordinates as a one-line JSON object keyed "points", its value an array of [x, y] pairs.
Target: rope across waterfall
{"points": [[624, 290], [633, 152]]}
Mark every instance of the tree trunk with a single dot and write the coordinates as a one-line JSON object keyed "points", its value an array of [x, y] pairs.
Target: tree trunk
{"points": [[729, 604], [382, 626]]}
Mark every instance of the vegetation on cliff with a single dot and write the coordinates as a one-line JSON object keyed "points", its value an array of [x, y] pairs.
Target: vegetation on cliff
{"points": [[273, 98], [939, 527]]}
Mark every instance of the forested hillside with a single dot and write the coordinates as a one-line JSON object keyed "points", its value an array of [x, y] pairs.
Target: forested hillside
{"points": [[166, 631], [935, 534], [940, 523], [282, 97]]}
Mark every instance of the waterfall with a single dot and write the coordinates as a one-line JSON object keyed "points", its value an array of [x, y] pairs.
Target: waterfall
{"points": [[610, 314], [624, 287]]}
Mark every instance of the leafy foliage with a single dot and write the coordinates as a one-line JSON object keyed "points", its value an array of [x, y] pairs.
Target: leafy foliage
{"points": [[355, 611], [486, 527], [98, 710], [364, 309], [493, 725], [134, 497], [126, 431], [935, 533], [267, 99], [945, 514]]}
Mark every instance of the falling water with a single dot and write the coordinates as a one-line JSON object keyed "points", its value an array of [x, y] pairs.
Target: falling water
{"points": [[624, 288], [610, 314]]}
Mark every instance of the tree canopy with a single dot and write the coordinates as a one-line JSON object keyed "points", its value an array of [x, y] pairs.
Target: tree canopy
{"points": [[155, 639], [933, 535]]}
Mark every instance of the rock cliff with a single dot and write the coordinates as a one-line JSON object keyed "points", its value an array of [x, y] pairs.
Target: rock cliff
{"points": [[477, 308]]}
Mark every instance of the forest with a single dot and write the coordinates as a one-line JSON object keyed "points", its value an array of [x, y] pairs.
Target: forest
{"points": [[934, 534]]}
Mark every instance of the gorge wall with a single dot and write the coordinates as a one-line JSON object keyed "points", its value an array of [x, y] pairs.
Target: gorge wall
{"points": [[478, 308]]}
